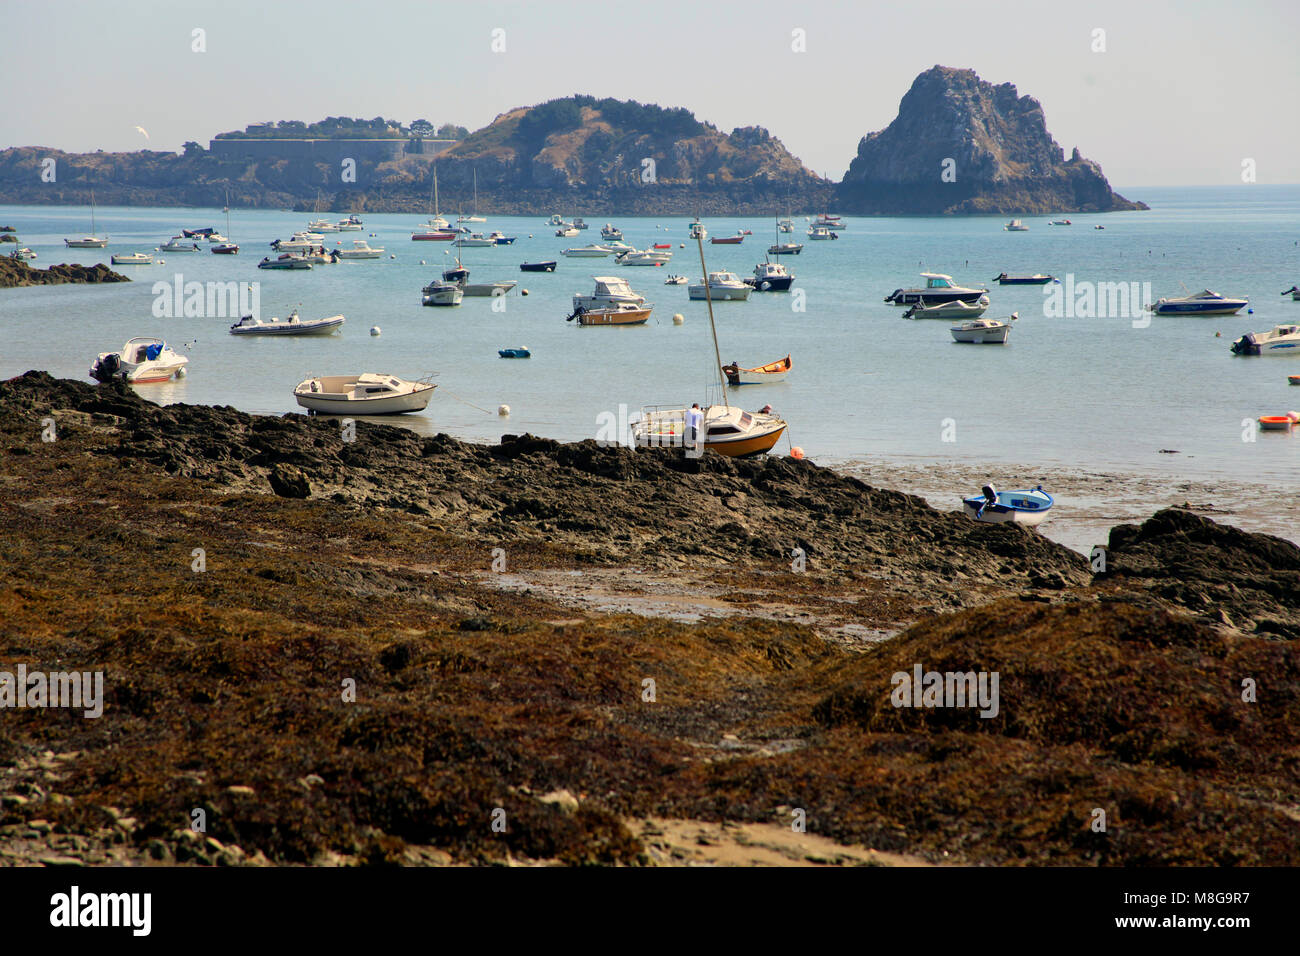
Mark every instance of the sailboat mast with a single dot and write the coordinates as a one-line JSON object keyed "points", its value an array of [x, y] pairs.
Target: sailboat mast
{"points": [[92, 212], [708, 299]]}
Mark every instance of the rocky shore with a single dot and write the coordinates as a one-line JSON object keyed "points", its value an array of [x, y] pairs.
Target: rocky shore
{"points": [[373, 651], [15, 273]]}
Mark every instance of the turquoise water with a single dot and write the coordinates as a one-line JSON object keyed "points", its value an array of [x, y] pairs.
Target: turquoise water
{"points": [[866, 385]]}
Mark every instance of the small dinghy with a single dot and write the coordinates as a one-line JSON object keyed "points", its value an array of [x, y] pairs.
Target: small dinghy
{"points": [[983, 331], [956, 309], [293, 325], [521, 352], [769, 374], [365, 394], [1293, 379], [1015, 507], [286, 261], [131, 259], [141, 360], [1036, 279], [548, 266], [1278, 423]]}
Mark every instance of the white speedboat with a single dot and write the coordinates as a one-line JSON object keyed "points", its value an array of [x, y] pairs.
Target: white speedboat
{"points": [[618, 246], [321, 226], [1015, 507], [556, 220], [610, 292], [131, 259], [610, 231], [982, 332], [578, 223], [365, 394], [592, 251], [474, 240], [216, 237], [938, 288], [645, 257], [351, 224], [771, 277], [286, 260], [441, 293], [956, 309], [300, 242], [360, 250], [785, 249], [179, 244], [140, 361], [785, 225], [1015, 225], [23, 253], [1280, 340], [1203, 303], [821, 233], [722, 286], [293, 325], [567, 232]]}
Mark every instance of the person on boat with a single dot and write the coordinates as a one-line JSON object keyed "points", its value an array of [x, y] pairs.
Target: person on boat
{"points": [[694, 419]]}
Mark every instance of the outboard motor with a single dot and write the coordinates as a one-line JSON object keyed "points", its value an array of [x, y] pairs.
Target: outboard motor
{"points": [[1246, 345], [106, 369], [990, 493]]}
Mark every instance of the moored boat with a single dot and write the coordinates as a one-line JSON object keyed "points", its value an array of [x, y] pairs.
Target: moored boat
{"points": [[1203, 303], [295, 324], [287, 260], [1279, 340], [521, 352], [644, 257], [610, 292], [938, 288], [721, 286], [91, 241], [1278, 423], [1026, 507], [983, 331], [625, 314], [592, 251], [770, 374], [547, 266], [956, 309], [1036, 279], [821, 233], [1015, 225], [365, 394], [130, 259], [728, 240], [441, 293], [771, 277], [360, 250], [179, 244], [785, 249], [140, 361]]}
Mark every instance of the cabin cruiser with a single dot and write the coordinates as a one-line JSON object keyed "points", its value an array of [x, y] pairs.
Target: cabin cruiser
{"points": [[556, 220], [610, 231], [957, 309], [130, 259], [364, 394], [721, 286], [286, 260], [441, 293], [644, 257], [821, 232], [983, 331], [785, 249], [728, 430], [938, 288], [618, 246], [1015, 225], [351, 224], [293, 325], [578, 223], [322, 226], [610, 292], [198, 233], [86, 242], [360, 250], [473, 240], [299, 242], [1203, 303], [1280, 340], [592, 251], [179, 244], [141, 360], [771, 277]]}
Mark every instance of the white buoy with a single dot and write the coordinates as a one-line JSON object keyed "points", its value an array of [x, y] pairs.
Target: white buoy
{"points": [[682, 246], [423, 263], [503, 410], [162, 262], [678, 319], [523, 292], [392, 256], [180, 372], [375, 330], [530, 235]]}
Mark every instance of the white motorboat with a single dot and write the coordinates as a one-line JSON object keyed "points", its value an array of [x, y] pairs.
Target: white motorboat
{"points": [[1203, 303], [23, 253], [351, 224], [610, 292], [286, 260], [474, 240], [983, 331], [131, 259], [300, 242], [216, 237], [697, 229], [722, 286], [676, 280], [645, 257], [1015, 225], [293, 325], [179, 244], [91, 241], [592, 251], [441, 293], [567, 232], [556, 220], [578, 223], [140, 361], [1280, 340], [360, 250], [956, 309], [322, 226], [785, 249], [819, 232], [618, 246], [938, 288], [610, 231], [785, 225], [365, 394], [771, 277], [1014, 507]]}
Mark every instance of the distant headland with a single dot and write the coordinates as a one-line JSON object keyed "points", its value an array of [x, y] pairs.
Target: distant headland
{"points": [[958, 146]]}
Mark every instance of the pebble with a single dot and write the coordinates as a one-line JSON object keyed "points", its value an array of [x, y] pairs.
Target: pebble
{"points": [[240, 790], [562, 799]]}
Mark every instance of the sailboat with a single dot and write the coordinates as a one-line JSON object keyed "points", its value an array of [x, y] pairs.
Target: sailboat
{"points": [[227, 248], [436, 229], [727, 429], [476, 217], [91, 241]]}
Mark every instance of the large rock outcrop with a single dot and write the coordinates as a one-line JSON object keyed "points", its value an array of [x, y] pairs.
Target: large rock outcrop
{"points": [[992, 143]]}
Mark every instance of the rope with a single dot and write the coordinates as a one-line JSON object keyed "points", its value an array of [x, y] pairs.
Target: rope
{"points": [[466, 401]]}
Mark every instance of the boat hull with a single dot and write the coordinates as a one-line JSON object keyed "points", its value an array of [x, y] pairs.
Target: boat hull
{"points": [[318, 327], [697, 293], [537, 266], [1012, 507], [390, 405], [614, 317], [996, 336]]}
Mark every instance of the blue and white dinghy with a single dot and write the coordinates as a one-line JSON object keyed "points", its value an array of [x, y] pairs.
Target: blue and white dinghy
{"points": [[1018, 507]]}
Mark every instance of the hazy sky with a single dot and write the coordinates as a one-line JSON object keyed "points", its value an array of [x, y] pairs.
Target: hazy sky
{"points": [[1182, 94]]}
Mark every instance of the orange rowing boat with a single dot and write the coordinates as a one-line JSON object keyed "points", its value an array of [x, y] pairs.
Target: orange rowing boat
{"points": [[768, 374]]}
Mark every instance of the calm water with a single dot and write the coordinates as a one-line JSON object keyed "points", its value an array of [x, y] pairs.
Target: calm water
{"points": [[1079, 392]]}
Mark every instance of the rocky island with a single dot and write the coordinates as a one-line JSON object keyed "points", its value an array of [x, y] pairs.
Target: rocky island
{"points": [[360, 652], [960, 145], [16, 272]]}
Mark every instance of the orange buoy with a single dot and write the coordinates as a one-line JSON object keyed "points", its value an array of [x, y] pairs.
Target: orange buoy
{"points": [[796, 452]]}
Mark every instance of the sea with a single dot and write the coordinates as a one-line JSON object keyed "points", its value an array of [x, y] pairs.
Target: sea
{"points": [[1075, 387]]}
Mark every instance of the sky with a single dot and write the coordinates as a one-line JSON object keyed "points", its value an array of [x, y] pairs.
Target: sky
{"points": [[1183, 92]]}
